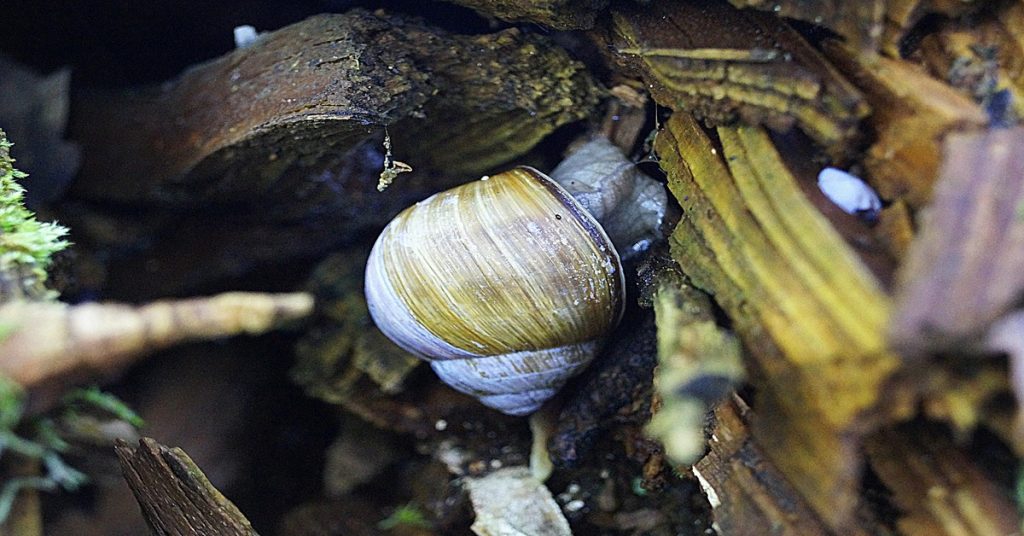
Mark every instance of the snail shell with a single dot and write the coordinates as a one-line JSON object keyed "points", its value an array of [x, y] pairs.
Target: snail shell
{"points": [[507, 285]]}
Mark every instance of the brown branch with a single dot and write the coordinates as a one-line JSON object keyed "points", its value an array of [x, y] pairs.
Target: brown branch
{"points": [[52, 339]]}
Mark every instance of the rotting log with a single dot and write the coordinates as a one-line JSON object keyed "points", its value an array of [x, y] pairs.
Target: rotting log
{"points": [[913, 113], [937, 487], [175, 497], [257, 121], [985, 59], [558, 14], [746, 492], [810, 313], [723, 64], [259, 156], [867, 24]]}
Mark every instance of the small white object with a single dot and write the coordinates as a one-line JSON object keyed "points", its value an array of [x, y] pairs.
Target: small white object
{"points": [[849, 192], [245, 36]]}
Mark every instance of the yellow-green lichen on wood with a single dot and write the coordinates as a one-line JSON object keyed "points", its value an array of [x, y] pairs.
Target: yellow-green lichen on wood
{"points": [[699, 363], [813, 317]]}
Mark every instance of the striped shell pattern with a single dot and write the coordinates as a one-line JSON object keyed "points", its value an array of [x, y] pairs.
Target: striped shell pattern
{"points": [[506, 285]]}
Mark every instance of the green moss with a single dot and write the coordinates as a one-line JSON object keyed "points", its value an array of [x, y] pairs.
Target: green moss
{"points": [[407, 515], [26, 245]]}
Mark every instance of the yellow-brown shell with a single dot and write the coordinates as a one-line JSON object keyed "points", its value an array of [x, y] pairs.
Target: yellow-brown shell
{"points": [[507, 285]]}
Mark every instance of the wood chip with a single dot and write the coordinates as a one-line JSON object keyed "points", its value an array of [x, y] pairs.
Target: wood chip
{"points": [[963, 270], [175, 496], [747, 493], [510, 502], [913, 113]]}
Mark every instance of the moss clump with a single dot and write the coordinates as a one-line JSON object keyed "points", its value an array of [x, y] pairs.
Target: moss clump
{"points": [[26, 245]]}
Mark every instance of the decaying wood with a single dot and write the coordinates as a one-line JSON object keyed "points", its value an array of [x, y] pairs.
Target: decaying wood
{"points": [[558, 14], [723, 64], [747, 493], [866, 24], [937, 487], [902, 15], [964, 269], [175, 496], [699, 364], [52, 339], [810, 313], [618, 382], [256, 157], [913, 113], [985, 59], [344, 348], [257, 121]]}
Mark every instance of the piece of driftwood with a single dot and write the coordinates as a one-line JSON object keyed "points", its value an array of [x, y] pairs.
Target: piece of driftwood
{"points": [[558, 14], [963, 270], [747, 493], [174, 494], [913, 113], [812, 316], [50, 340], [937, 487], [272, 152], [723, 64]]}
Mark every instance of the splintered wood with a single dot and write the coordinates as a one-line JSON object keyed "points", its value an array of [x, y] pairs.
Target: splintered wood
{"points": [[913, 113], [175, 497], [811, 314], [937, 487], [722, 63], [746, 492]]}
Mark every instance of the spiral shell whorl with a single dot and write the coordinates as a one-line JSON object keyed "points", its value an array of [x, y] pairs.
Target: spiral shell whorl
{"points": [[507, 277]]}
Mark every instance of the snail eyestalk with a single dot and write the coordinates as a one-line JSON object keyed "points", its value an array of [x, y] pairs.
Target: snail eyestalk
{"points": [[628, 204]]}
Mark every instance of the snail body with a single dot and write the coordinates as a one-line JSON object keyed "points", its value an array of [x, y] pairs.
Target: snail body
{"points": [[506, 285]]}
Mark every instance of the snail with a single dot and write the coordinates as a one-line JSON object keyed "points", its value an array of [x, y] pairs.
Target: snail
{"points": [[509, 285]]}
